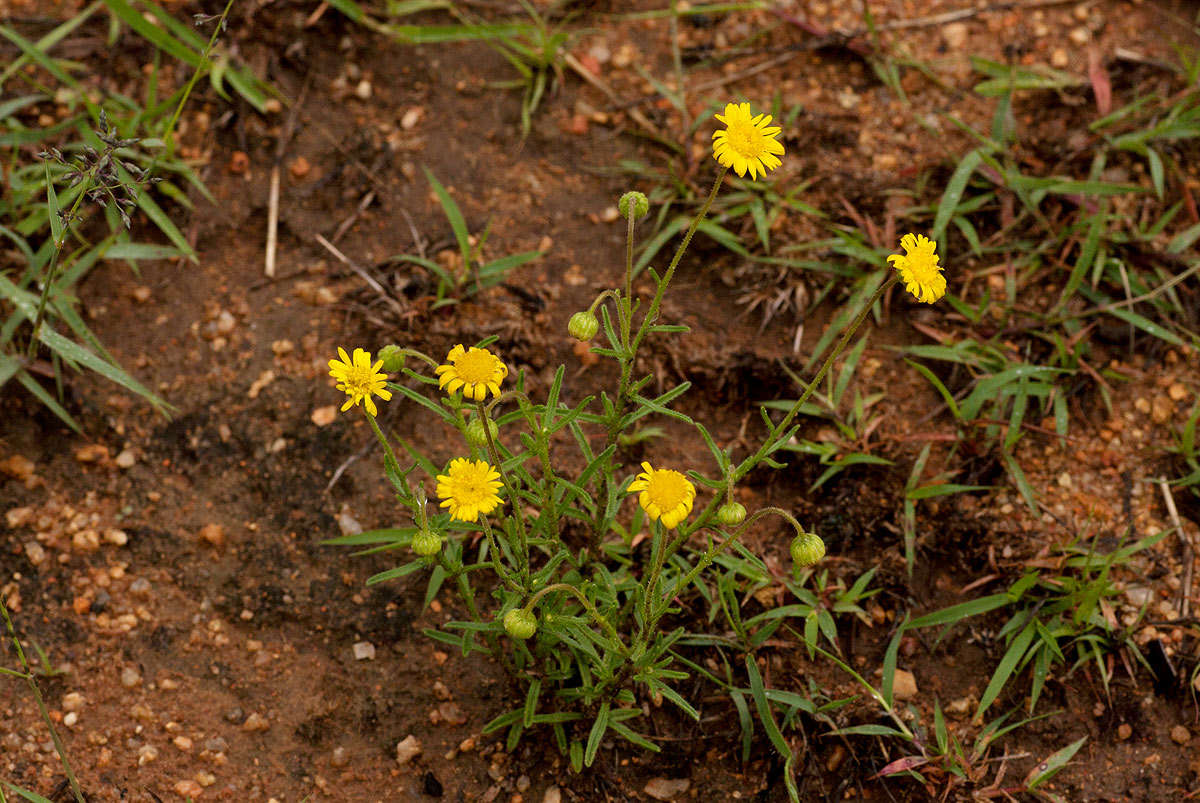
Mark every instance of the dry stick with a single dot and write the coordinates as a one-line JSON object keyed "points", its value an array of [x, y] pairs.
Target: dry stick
{"points": [[650, 129], [1189, 549], [355, 215], [273, 198], [366, 277]]}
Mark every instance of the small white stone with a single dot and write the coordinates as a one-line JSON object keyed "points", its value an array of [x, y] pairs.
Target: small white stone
{"points": [[364, 651], [408, 749]]}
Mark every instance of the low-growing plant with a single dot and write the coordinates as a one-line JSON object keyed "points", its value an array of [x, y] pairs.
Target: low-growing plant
{"points": [[579, 599]]}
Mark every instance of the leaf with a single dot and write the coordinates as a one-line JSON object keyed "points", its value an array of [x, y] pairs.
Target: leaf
{"points": [[457, 222], [953, 193], [74, 352], [596, 734], [1050, 766]]}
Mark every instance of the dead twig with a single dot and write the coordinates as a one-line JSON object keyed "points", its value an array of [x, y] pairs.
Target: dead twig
{"points": [[362, 272], [345, 225], [1184, 603], [289, 128]]}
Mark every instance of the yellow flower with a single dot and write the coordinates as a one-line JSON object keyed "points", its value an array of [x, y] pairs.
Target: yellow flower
{"points": [[474, 370], [469, 488], [747, 143], [666, 495], [919, 269], [358, 379]]}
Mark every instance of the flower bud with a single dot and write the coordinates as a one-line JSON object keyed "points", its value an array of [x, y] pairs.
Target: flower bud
{"points": [[393, 358], [520, 623], [583, 326], [476, 435], [426, 542], [807, 549], [634, 203], [731, 514]]}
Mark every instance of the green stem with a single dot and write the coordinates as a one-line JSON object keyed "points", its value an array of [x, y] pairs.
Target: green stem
{"points": [[588, 605], [387, 447], [41, 704], [769, 443], [498, 567], [513, 499]]}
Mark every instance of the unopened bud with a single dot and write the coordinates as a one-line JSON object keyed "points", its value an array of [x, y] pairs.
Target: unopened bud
{"points": [[731, 514], [583, 326], [393, 358], [426, 543], [807, 549], [634, 203], [520, 623], [476, 436]]}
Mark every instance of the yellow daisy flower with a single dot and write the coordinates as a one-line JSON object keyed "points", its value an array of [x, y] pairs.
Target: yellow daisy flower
{"points": [[469, 488], [919, 269], [747, 143], [666, 495], [359, 379], [474, 370]]}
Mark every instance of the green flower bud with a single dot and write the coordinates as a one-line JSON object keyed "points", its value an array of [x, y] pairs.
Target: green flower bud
{"points": [[635, 203], [807, 549], [731, 514], [583, 326], [476, 435], [393, 358], [426, 543], [520, 623]]}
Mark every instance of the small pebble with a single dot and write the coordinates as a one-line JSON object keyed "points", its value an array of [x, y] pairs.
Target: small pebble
{"points": [[364, 651], [213, 534], [340, 757], [72, 701], [183, 743], [126, 459], [234, 715], [188, 789], [256, 722], [146, 754], [1124, 731], [205, 779], [324, 416], [408, 749], [130, 677], [552, 795], [1180, 735]]}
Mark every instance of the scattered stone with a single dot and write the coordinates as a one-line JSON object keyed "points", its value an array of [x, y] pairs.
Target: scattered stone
{"points": [[130, 677], [18, 516], [126, 459], [264, 379], [466, 745], [412, 117], [1177, 392], [86, 540], [364, 651], [1138, 595], [451, 714], [282, 347], [35, 553], [72, 701], [904, 685], [1059, 58], [17, 467], [146, 754], [348, 524], [188, 789], [340, 757], [70, 719], [610, 214], [300, 167], [183, 743], [140, 587], [213, 535], [205, 779], [256, 722], [666, 788], [440, 690], [1079, 35], [955, 35], [408, 749], [92, 453], [523, 783], [1180, 735], [116, 537], [324, 416], [1124, 731], [216, 745], [141, 294], [552, 795]]}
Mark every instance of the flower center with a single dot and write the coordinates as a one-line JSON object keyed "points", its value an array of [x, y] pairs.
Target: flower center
{"points": [[476, 367], [745, 139], [471, 486], [667, 489], [923, 262], [358, 379]]}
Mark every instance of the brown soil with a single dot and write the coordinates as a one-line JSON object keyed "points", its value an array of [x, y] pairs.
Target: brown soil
{"points": [[187, 599]]}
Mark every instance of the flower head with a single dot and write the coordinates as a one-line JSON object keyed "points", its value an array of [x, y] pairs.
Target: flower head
{"points": [[426, 542], [747, 143], [666, 495], [807, 549], [359, 379], [474, 370], [583, 326], [469, 488], [919, 269]]}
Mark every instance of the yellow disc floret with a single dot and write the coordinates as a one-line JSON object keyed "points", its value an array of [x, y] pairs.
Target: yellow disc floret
{"points": [[918, 267], [469, 488], [666, 495], [359, 379], [748, 142], [474, 370]]}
